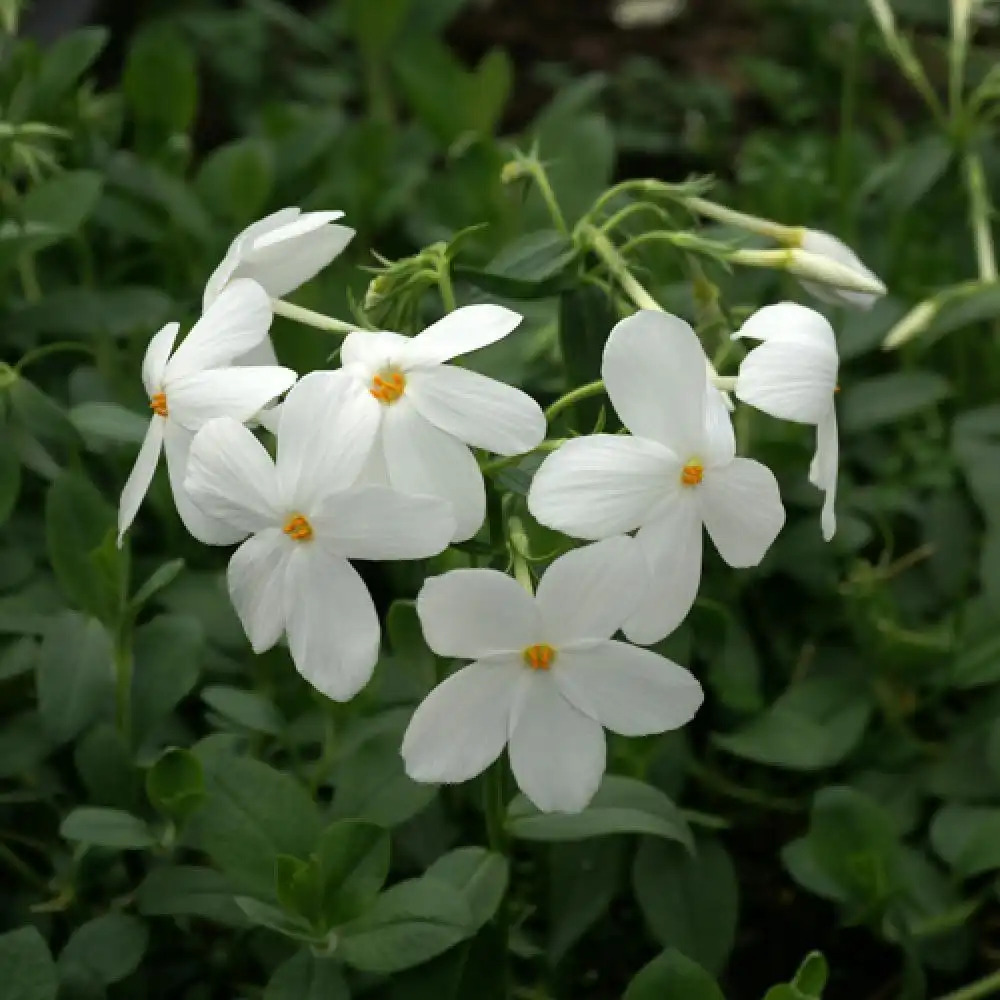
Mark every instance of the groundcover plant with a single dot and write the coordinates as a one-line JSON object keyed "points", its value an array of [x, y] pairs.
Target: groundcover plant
{"points": [[545, 592]]}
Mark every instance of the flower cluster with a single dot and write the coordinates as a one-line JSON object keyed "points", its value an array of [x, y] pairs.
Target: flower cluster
{"points": [[374, 461]]}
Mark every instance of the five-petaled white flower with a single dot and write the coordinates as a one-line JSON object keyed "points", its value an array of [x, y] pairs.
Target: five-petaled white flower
{"points": [[676, 473], [547, 677], [792, 375], [194, 384], [304, 521], [416, 416], [817, 242]]}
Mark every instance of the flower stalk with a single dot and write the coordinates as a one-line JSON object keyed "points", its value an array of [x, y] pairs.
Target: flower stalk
{"points": [[980, 214], [308, 317]]}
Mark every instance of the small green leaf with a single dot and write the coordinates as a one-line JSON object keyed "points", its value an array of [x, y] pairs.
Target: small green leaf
{"points": [[161, 578], [672, 975], [187, 891], [167, 655], [64, 202], [246, 709], [41, 415], [353, 858], [160, 80], [887, 399], [480, 876], [305, 976], [102, 422], [65, 62], [236, 179], [968, 838], [26, 967], [535, 265], [111, 828], [297, 887], [111, 947], [175, 783]]}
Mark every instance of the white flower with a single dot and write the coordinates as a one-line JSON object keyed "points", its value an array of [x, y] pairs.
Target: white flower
{"points": [[792, 375], [194, 384], [676, 473], [304, 522], [547, 677], [417, 416], [825, 245]]}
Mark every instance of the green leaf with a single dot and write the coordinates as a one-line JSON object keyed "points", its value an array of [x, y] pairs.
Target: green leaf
{"points": [[75, 675], [41, 415], [161, 578], [533, 266], [407, 925], [102, 422], [63, 203], [246, 709], [374, 25], [26, 967], [489, 90], [65, 62], [111, 947], [235, 180], [187, 891], [887, 399], [160, 80], [967, 837], [809, 981], [265, 915], [621, 805], [111, 828], [10, 475], [297, 887], [167, 655], [307, 977], [479, 875], [690, 902], [672, 975], [966, 310], [175, 783], [353, 859], [586, 316]]}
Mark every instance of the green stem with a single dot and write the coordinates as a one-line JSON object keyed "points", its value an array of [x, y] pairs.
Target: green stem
{"points": [[22, 868], [961, 17], [62, 347], [980, 212], [615, 263], [445, 286], [973, 991], [490, 468], [308, 317], [548, 195], [790, 235], [495, 806], [573, 397], [724, 786]]}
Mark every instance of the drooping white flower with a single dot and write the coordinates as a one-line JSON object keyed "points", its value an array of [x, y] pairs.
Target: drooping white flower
{"points": [[677, 472], [792, 375], [418, 416], [823, 244], [547, 677], [305, 521], [194, 384]]}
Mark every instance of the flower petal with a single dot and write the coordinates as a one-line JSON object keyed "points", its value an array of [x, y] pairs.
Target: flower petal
{"points": [[373, 351], [557, 753], [231, 478], [374, 522], [477, 612], [628, 690], [256, 578], [602, 485], [464, 330], [816, 241], [672, 547], [327, 429], [654, 370], [137, 485], [461, 727], [788, 379], [236, 321], [720, 440], [238, 392], [588, 592], [261, 356], [742, 509], [823, 470], [789, 321], [155, 362], [423, 460], [475, 409], [208, 530], [333, 630]]}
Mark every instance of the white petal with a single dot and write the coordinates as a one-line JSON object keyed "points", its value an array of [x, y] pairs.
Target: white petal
{"points": [[328, 427], [477, 612], [720, 441], [423, 460], [602, 485], [628, 690], [654, 370], [742, 509], [461, 727], [293, 230], [816, 241], [464, 330], [333, 630], [789, 321], [231, 478], [557, 753], [256, 578], [236, 392], [137, 485], [672, 547], [373, 351], [475, 409], [788, 379], [823, 470], [208, 530], [374, 522], [155, 362], [260, 356], [588, 592], [236, 321]]}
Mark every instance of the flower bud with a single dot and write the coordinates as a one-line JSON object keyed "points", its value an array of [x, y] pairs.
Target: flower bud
{"points": [[861, 290], [912, 324]]}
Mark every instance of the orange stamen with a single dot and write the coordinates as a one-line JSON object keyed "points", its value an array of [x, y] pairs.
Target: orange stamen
{"points": [[388, 386], [539, 657], [298, 528], [692, 474], [158, 403]]}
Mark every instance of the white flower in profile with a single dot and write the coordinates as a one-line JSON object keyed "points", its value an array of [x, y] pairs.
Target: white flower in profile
{"points": [[194, 384], [547, 680], [417, 416], [792, 375], [305, 521], [824, 245], [677, 472]]}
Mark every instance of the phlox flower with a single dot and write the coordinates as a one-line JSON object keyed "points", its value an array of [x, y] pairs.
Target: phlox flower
{"points": [[677, 472], [194, 384], [792, 375], [302, 521], [547, 678], [823, 244], [417, 416]]}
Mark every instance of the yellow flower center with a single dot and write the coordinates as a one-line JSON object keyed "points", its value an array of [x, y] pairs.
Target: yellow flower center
{"points": [[387, 386], [692, 474], [158, 403], [539, 657], [298, 528]]}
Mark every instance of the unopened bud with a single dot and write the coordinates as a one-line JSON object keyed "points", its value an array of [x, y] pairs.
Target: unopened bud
{"points": [[912, 324], [513, 171], [376, 291]]}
